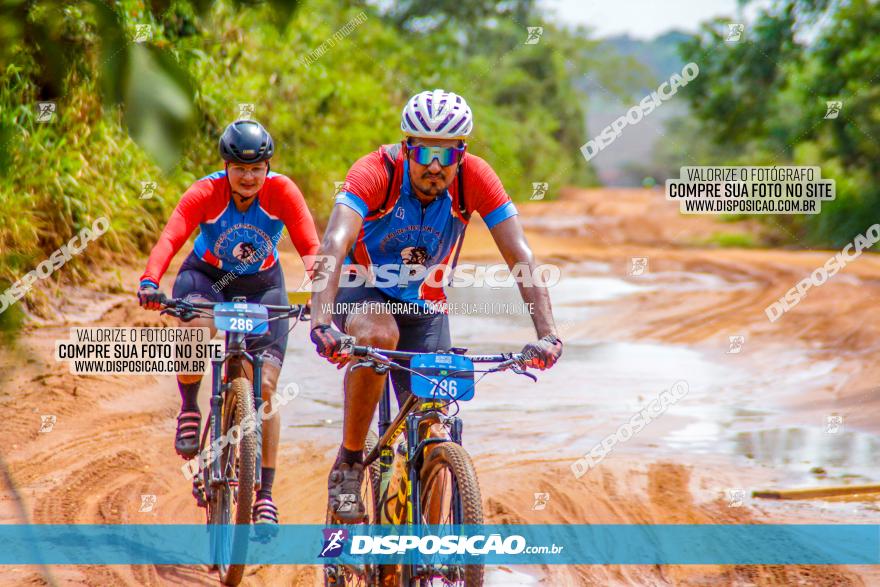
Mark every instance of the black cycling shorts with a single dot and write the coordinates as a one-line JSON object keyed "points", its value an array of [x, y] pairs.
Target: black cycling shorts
{"points": [[197, 279], [420, 331]]}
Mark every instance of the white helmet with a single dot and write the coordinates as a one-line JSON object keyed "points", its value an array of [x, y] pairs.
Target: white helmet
{"points": [[437, 115]]}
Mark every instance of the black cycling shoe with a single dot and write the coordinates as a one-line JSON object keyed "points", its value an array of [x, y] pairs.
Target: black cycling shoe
{"points": [[344, 493], [189, 427]]}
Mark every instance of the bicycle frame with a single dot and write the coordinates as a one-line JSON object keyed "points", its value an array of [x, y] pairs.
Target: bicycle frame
{"points": [[233, 360], [413, 412], [234, 357]]}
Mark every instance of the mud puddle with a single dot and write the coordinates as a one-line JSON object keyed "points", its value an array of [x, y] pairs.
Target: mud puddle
{"points": [[737, 405], [734, 407]]}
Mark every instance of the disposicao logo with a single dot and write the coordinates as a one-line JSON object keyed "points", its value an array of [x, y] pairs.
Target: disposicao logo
{"points": [[431, 544], [334, 542]]}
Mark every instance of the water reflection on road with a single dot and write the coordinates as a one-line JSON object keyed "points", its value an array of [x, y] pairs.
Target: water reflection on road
{"points": [[733, 406]]}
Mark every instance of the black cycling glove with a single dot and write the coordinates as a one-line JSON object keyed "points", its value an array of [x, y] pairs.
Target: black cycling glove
{"points": [[542, 354]]}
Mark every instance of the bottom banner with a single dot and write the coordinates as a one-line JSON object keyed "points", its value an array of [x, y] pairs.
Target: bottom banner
{"points": [[487, 544]]}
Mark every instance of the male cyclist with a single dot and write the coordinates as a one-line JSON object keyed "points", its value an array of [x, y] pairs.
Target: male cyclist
{"points": [[241, 212], [404, 206]]}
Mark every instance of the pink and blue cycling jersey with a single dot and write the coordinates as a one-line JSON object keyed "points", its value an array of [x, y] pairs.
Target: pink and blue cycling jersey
{"points": [[241, 242], [408, 234]]}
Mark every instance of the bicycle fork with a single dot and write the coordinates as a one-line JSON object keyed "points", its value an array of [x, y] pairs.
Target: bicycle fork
{"points": [[216, 419], [415, 458], [208, 474], [258, 425]]}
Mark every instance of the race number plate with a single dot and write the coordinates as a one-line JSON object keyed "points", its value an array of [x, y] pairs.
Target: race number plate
{"points": [[241, 317], [451, 377]]}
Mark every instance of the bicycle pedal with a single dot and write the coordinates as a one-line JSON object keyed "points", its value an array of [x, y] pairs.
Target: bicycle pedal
{"points": [[198, 492], [340, 522], [359, 570], [333, 574], [201, 498]]}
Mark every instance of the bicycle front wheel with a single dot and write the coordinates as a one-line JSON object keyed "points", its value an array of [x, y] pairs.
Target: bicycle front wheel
{"points": [[450, 495], [230, 509], [338, 575]]}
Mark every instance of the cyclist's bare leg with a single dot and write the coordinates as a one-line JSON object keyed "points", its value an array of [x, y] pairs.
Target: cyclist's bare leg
{"points": [[364, 387]]}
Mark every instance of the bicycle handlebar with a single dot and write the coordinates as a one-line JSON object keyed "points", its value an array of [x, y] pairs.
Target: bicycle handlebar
{"points": [[183, 309], [386, 357], [180, 303], [367, 351], [382, 358]]}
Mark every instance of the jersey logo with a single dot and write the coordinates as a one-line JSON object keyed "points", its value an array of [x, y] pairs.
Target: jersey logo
{"points": [[243, 242], [246, 252], [415, 257], [400, 213]]}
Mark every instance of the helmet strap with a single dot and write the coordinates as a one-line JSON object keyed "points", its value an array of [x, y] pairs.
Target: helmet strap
{"points": [[248, 198]]}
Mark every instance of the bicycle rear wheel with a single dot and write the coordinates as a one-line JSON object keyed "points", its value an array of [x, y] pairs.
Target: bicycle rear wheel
{"points": [[336, 575], [450, 495], [230, 508]]}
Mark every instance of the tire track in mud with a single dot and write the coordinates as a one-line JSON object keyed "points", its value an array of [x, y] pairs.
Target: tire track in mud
{"points": [[112, 442], [94, 470], [621, 493]]}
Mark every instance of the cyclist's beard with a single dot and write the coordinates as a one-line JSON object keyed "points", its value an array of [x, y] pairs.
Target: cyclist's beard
{"points": [[431, 184]]}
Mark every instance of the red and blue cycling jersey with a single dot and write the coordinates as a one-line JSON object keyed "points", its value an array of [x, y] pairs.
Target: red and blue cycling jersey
{"points": [[407, 234], [240, 242]]}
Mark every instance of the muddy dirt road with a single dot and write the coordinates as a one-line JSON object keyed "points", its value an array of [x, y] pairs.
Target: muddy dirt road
{"points": [[756, 414]]}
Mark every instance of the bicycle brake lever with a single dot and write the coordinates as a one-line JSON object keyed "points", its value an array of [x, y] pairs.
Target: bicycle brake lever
{"points": [[183, 314], [377, 367], [187, 316], [521, 371]]}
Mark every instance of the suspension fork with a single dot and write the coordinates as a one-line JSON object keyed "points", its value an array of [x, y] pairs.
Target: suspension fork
{"points": [[385, 408], [220, 400], [415, 455], [217, 389], [414, 507], [257, 363], [456, 430], [457, 509], [386, 453]]}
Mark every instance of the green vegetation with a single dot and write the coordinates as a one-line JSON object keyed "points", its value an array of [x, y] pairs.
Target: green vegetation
{"points": [[152, 111], [660, 54], [762, 101], [739, 240]]}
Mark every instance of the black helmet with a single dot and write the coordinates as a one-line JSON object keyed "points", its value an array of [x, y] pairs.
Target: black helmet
{"points": [[246, 141]]}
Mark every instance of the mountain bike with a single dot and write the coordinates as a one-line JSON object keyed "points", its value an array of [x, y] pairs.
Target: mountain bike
{"points": [[228, 472], [432, 480]]}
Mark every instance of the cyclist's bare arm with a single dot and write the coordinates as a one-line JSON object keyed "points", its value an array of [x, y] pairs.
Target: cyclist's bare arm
{"points": [[511, 241], [342, 230]]}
